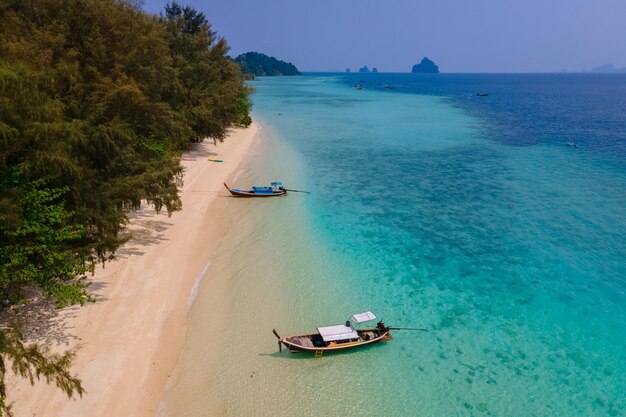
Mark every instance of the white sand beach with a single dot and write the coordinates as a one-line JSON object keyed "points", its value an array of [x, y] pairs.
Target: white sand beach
{"points": [[130, 339]]}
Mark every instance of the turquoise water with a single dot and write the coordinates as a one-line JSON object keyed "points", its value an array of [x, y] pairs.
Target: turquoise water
{"points": [[436, 211], [433, 209]]}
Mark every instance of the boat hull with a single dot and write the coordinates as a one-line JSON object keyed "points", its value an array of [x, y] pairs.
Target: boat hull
{"points": [[305, 342], [250, 193]]}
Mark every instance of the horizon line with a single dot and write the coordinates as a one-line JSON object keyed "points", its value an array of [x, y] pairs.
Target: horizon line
{"points": [[469, 72]]}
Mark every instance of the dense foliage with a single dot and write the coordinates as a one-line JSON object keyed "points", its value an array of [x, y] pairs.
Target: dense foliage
{"points": [[259, 64], [97, 101]]}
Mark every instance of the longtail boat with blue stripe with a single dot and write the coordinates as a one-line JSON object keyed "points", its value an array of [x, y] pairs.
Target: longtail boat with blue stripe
{"points": [[275, 189]]}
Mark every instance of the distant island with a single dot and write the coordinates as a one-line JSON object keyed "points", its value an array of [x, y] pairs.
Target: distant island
{"points": [[602, 69], [260, 65], [425, 67], [608, 69], [365, 69]]}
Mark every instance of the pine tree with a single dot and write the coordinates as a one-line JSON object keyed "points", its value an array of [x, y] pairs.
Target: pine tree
{"points": [[97, 101], [33, 363]]}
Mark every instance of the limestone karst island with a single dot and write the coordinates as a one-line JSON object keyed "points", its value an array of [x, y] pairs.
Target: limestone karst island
{"points": [[426, 66]]}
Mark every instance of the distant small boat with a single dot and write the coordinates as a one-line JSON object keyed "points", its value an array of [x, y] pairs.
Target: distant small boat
{"points": [[337, 337], [388, 86], [482, 94], [275, 189], [358, 87], [215, 160], [572, 144]]}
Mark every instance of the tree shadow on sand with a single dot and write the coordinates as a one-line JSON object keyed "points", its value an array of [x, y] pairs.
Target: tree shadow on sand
{"points": [[198, 150], [41, 319], [41, 322], [146, 228]]}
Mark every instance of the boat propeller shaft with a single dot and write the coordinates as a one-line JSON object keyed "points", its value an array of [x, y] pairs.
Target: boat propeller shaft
{"points": [[296, 191], [407, 328]]}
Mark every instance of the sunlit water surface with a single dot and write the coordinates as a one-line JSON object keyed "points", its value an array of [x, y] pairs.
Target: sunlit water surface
{"points": [[433, 208]]}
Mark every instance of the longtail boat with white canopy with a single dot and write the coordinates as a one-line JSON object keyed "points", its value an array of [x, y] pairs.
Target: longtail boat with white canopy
{"points": [[339, 336]]}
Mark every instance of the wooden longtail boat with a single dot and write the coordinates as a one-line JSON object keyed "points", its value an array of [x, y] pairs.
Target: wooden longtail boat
{"points": [[275, 189], [337, 337]]}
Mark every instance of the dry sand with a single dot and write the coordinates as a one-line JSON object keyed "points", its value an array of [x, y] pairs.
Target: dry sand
{"points": [[131, 337]]}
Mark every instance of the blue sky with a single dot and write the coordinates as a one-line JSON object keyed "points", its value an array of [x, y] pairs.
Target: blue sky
{"points": [[460, 35]]}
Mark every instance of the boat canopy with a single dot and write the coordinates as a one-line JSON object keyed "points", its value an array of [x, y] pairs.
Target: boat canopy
{"points": [[363, 317], [337, 332]]}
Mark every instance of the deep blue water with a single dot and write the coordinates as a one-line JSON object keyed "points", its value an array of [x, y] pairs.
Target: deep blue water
{"points": [[471, 216], [529, 109]]}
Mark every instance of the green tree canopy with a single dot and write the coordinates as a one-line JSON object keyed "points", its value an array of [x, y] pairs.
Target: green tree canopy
{"points": [[97, 101], [259, 64]]}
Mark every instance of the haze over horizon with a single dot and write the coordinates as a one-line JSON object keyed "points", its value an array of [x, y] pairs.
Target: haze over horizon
{"points": [[481, 36]]}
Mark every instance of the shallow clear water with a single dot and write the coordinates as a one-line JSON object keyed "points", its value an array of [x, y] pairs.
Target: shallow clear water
{"points": [[433, 208]]}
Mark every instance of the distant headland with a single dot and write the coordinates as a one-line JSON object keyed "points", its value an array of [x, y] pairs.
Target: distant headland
{"points": [[256, 64], [425, 67], [602, 69], [608, 69]]}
